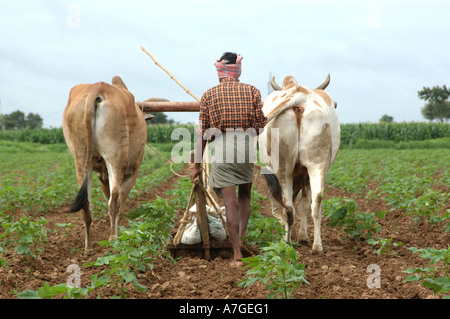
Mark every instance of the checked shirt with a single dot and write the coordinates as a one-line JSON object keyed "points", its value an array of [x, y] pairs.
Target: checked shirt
{"points": [[231, 105], [236, 107]]}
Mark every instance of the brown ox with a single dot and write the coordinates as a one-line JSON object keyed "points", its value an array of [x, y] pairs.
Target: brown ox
{"points": [[106, 133]]}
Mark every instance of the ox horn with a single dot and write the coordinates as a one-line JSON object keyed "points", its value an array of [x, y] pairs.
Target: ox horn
{"points": [[274, 84], [324, 85]]}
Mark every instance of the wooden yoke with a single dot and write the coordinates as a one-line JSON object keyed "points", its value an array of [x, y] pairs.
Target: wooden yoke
{"points": [[169, 106]]}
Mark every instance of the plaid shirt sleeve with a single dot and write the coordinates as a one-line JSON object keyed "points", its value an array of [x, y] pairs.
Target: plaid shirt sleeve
{"points": [[260, 119]]}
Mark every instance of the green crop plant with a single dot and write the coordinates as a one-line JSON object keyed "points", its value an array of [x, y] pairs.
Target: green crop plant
{"points": [[137, 246], [396, 132], [343, 213], [262, 230], [385, 245], [180, 192], [49, 292], [278, 268], [26, 236], [437, 275]]}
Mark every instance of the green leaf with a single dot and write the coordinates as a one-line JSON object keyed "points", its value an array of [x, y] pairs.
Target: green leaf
{"points": [[433, 285], [104, 243], [127, 275], [412, 278], [29, 294], [22, 250], [140, 287], [381, 213]]}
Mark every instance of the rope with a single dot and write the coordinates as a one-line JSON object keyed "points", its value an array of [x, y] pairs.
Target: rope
{"points": [[168, 160]]}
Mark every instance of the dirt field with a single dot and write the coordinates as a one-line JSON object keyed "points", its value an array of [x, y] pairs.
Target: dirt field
{"points": [[339, 273]]}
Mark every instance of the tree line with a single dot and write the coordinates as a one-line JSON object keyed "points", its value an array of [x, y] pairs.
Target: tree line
{"points": [[437, 107], [17, 120]]}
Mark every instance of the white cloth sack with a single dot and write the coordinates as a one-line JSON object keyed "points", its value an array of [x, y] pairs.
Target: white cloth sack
{"points": [[192, 236]]}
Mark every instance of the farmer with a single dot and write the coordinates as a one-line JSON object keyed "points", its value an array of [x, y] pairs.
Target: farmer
{"points": [[231, 116]]}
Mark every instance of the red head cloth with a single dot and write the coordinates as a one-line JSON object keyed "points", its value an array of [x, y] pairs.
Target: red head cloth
{"points": [[229, 70]]}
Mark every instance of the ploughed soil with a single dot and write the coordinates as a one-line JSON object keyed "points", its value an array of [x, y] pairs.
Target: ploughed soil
{"points": [[340, 272]]}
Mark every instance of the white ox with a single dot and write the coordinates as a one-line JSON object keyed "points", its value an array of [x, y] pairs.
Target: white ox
{"points": [[106, 132], [308, 142]]}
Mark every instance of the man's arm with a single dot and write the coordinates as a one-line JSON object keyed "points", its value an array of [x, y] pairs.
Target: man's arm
{"points": [[260, 119], [200, 141]]}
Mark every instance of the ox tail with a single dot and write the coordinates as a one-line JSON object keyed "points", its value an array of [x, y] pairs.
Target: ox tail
{"points": [[273, 186], [92, 102], [82, 200]]}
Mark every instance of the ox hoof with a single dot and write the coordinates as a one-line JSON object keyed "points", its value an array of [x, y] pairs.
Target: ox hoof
{"points": [[316, 250], [303, 240]]}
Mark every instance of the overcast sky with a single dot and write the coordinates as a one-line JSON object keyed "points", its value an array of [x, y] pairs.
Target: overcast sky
{"points": [[379, 53]]}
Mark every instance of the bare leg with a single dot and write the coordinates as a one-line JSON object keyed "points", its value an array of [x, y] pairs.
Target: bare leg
{"points": [[232, 211], [244, 195]]}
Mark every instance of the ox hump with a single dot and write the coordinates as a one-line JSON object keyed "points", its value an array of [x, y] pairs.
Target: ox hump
{"points": [[279, 101], [325, 97]]}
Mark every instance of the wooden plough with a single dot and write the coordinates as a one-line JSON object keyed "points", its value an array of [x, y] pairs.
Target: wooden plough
{"points": [[199, 193]]}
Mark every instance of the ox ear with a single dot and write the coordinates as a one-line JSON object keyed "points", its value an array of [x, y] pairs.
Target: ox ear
{"points": [[289, 82], [117, 81], [324, 85]]}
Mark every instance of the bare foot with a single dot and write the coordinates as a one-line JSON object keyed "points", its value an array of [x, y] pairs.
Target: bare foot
{"points": [[236, 263]]}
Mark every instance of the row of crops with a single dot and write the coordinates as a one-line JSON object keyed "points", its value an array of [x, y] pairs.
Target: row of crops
{"points": [[352, 135], [156, 134], [36, 178]]}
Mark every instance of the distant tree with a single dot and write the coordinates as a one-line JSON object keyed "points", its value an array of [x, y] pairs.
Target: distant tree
{"points": [[160, 117], [34, 121], [438, 104], [386, 119], [17, 120]]}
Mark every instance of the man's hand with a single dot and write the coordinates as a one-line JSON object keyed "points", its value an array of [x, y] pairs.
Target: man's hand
{"points": [[196, 171]]}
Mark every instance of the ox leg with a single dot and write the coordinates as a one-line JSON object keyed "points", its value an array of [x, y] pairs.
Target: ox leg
{"points": [[286, 216], [277, 211], [113, 210], [304, 206], [104, 185], [87, 218], [116, 204], [317, 182], [113, 202]]}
